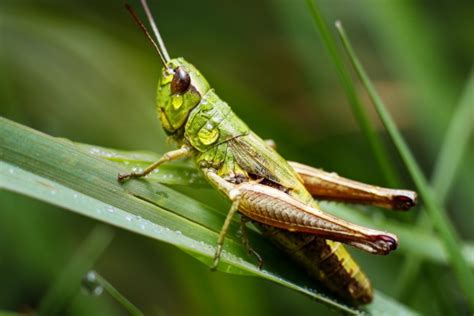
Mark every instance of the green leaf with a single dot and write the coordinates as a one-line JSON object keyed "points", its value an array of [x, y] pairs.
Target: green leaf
{"points": [[62, 173], [438, 216], [413, 241]]}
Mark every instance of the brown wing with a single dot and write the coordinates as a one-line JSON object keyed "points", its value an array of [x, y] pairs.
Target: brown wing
{"points": [[255, 157]]}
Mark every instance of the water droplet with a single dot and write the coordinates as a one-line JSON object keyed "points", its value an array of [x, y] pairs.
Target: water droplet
{"points": [[161, 194], [11, 171], [90, 285], [100, 152], [75, 196], [167, 77], [208, 136], [177, 101], [110, 209], [94, 150], [128, 218]]}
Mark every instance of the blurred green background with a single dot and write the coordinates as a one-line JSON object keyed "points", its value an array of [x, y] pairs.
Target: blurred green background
{"points": [[83, 71]]}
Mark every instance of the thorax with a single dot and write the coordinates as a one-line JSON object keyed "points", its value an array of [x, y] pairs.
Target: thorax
{"points": [[212, 123]]}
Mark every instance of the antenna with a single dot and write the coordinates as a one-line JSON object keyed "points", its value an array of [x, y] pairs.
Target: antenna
{"points": [[151, 20], [143, 28]]}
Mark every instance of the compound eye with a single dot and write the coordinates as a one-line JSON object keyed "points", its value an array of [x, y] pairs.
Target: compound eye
{"points": [[181, 81]]}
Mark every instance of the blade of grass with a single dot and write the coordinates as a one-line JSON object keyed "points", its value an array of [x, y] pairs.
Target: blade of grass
{"points": [[436, 213], [445, 170], [417, 242], [417, 53], [61, 173], [455, 142], [95, 280], [69, 279], [381, 156]]}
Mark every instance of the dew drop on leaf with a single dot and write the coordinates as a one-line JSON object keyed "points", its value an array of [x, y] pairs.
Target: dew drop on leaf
{"points": [[90, 285]]}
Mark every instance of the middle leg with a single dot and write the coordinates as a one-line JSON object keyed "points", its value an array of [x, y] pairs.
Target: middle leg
{"points": [[245, 240], [234, 195]]}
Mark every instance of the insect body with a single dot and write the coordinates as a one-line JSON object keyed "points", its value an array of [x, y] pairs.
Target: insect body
{"points": [[266, 189]]}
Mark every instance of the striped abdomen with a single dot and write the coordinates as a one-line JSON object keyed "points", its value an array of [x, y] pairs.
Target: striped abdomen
{"points": [[326, 260]]}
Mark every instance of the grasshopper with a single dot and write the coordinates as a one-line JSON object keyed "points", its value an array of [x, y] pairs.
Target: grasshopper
{"points": [[276, 195]]}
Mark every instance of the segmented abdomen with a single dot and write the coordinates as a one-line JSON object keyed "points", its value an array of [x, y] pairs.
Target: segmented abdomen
{"points": [[326, 260]]}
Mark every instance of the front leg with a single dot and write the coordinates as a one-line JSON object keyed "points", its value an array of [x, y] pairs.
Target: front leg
{"points": [[246, 241], [184, 151]]}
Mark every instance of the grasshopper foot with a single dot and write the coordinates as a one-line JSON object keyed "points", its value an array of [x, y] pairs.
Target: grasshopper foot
{"points": [[246, 242], [122, 177], [217, 258], [252, 252]]}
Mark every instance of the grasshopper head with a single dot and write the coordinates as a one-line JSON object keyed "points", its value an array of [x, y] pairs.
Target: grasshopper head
{"points": [[181, 85], [180, 89]]}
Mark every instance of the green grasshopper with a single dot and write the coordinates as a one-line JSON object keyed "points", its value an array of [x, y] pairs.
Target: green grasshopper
{"points": [[276, 195]]}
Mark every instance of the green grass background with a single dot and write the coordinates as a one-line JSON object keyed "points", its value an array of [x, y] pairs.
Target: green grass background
{"points": [[81, 70]]}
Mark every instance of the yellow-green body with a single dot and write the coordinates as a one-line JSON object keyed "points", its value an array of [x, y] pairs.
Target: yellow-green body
{"points": [[222, 142]]}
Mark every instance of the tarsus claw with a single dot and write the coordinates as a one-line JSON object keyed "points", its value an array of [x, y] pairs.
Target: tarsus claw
{"points": [[122, 177]]}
